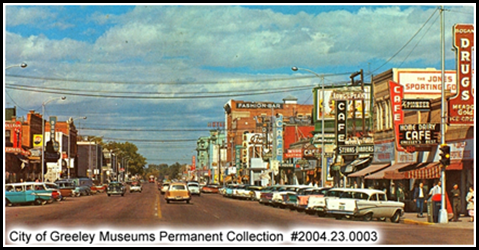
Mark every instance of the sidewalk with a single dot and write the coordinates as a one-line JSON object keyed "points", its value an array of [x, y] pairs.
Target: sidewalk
{"points": [[411, 218]]}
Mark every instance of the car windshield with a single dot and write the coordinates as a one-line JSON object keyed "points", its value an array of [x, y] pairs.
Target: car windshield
{"points": [[178, 187], [115, 184]]}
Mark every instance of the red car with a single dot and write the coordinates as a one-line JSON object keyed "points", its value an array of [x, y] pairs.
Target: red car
{"points": [[211, 188]]}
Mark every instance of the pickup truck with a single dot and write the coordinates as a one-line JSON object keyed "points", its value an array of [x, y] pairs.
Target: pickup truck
{"points": [[365, 204], [317, 204]]}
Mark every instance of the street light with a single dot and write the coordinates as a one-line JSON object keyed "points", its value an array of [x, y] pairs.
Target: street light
{"points": [[70, 121], [22, 65], [323, 165], [43, 133]]}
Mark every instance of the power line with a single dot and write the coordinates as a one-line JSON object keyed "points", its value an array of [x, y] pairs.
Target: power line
{"points": [[153, 97], [156, 93], [395, 54], [176, 82]]}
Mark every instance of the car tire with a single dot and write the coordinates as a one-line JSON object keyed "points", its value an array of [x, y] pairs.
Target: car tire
{"points": [[109, 195], [187, 202], [122, 195], [167, 201], [8, 203], [368, 217], [396, 217]]}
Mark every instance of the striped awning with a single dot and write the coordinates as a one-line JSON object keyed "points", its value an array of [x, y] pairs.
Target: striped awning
{"points": [[430, 171]]}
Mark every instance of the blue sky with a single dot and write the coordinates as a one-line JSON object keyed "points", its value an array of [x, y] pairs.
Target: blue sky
{"points": [[84, 51]]}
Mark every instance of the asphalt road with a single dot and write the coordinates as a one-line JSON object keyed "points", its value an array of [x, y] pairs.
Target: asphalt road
{"points": [[147, 212]]}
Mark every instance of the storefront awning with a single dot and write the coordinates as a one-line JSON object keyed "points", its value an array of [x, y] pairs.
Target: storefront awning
{"points": [[369, 170], [352, 166], [382, 173], [430, 171]]}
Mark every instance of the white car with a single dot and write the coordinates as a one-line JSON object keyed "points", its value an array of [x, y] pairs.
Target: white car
{"points": [[318, 204], [194, 188], [164, 187], [136, 187], [366, 204]]}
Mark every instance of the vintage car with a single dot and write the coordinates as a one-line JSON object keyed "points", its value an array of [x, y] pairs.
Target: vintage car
{"points": [[164, 187], [68, 188], [210, 188], [290, 197], [27, 193], [101, 188], [241, 191], [318, 204], [303, 196], [194, 188], [366, 204], [56, 194], [136, 187], [266, 196], [178, 192], [116, 188], [229, 190], [254, 192]]}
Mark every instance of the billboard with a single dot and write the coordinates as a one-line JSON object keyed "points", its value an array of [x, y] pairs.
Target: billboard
{"points": [[353, 96]]}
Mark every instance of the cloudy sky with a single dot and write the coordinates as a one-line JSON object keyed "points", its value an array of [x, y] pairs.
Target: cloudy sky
{"points": [[156, 75]]}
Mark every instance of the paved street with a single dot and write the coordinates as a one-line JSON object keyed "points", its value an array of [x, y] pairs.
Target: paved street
{"points": [[149, 213]]}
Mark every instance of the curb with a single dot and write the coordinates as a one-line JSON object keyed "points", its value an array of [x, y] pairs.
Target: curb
{"points": [[414, 222]]}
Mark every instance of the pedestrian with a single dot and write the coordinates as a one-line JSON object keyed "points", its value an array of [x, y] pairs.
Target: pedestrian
{"points": [[419, 198], [456, 202], [435, 196], [400, 193], [470, 203]]}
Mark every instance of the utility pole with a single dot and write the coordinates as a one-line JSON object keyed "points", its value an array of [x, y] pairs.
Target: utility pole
{"points": [[443, 212]]}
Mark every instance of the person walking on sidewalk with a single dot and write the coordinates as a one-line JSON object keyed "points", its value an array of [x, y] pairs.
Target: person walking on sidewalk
{"points": [[456, 202], [470, 203], [435, 196], [419, 198]]}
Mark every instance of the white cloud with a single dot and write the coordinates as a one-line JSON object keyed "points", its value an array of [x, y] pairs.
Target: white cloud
{"points": [[27, 15]]}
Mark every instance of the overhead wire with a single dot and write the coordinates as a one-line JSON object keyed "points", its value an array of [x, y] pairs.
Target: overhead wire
{"points": [[417, 32]]}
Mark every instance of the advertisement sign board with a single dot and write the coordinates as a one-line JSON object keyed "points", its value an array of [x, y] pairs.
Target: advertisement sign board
{"points": [[461, 106], [349, 95], [279, 138], [341, 121], [397, 93]]}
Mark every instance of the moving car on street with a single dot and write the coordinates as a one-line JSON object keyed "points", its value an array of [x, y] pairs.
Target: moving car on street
{"points": [[116, 188], [178, 192], [194, 188], [135, 187]]}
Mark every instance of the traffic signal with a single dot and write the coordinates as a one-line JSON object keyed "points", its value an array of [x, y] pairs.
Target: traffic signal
{"points": [[445, 154]]}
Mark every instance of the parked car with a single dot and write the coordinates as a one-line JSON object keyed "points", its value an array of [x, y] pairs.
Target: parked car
{"points": [[164, 187], [210, 188], [56, 192], [318, 204], [194, 188], [178, 192], [116, 188], [366, 204], [27, 192], [229, 190], [67, 188], [302, 198], [241, 191], [101, 188], [136, 187], [254, 192], [289, 197], [267, 194]]}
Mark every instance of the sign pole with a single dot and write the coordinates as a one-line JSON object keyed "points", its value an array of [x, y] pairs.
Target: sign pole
{"points": [[443, 213]]}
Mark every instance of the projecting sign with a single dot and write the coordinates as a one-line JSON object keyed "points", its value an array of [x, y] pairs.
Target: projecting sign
{"points": [[410, 104], [397, 94], [419, 134], [461, 106], [279, 138], [341, 119], [356, 150]]}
